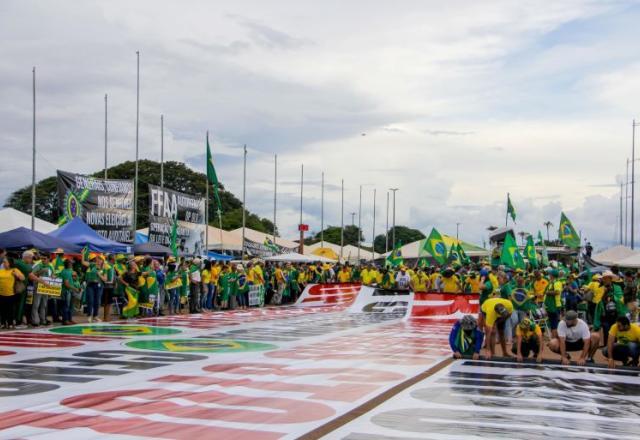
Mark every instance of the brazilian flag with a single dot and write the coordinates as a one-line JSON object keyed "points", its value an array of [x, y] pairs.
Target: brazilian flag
{"points": [[464, 258], [530, 252], [567, 233], [423, 263], [395, 257], [510, 255], [454, 255], [434, 245], [511, 211], [131, 309]]}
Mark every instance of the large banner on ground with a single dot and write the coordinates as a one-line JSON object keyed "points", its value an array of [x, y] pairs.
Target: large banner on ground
{"points": [[165, 206], [104, 204]]}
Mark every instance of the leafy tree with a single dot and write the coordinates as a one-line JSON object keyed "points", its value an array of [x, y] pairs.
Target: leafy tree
{"points": [[404, 235], [332, 235], [178, 177]]}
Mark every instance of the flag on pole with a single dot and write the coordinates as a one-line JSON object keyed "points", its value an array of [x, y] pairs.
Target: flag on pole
{"points": [[464, 258], [454, 255], [434, 245], [174, 237], [540, 239], [394, 259], [530, 252], [510, 255], [567, 233], [423, 263], [511, 211], [212, 177], [131, 309]]}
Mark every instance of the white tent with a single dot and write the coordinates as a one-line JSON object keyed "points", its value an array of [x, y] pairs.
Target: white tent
{"points": [[12, 218], [219, 239], [294, 257], [614, 256], [412, 250], [632, 262], [349, 252], [259, 237]]}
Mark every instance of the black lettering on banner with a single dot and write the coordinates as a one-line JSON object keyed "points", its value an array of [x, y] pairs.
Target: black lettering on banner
{"points": [[131, 365], [144, 357], [56, 374], [12, 389]]}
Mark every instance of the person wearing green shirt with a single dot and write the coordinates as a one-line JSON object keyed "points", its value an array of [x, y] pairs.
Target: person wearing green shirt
{"points": [[25, 266], [69, 287], [149, 290], [553, 301], [95, 278], [41, 269]]}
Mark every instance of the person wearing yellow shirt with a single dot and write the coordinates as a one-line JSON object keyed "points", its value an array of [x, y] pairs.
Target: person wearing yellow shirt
{"points": [[434, 279], [449, 282], [539, 287], [623, 343], [529, 340], [553, 301], [496, 312], [367, 275], [344, 275], [473, 283], [420, 281], [8, 277]]}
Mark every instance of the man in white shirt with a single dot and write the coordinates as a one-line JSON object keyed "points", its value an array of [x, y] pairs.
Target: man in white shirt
{"points": [[403, 279], [574, 335]]}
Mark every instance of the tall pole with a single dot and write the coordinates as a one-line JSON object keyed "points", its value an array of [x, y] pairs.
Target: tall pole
{"points": [[506, 215], [373, 231], [33, 159], [244, 198], [393, 231], [353, 218], [206, 184], [626, 207], [301, 245], [162, 155], [359, 222], [458, 231], [135, 191], [633, 181], [322, 211], [341, 218], [386, 232], [275, 194], [621, 184], [105, 136]]}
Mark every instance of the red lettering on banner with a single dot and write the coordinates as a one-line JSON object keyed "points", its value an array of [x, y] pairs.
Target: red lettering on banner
{"points": [[6, 353], [136, 426], [45, 340], [157, 402]]}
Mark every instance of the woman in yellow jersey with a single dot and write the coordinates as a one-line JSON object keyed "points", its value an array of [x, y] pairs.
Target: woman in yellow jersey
{"points": [[8, 277], [419, 281], [472, 283], [449, 282]]}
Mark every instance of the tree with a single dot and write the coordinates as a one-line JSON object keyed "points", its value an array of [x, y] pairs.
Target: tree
{"points": [[178, 177], [404, 235], [332, 235]]}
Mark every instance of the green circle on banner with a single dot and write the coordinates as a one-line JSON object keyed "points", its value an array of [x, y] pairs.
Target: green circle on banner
{"points": [[200, 345], [115, 330]]}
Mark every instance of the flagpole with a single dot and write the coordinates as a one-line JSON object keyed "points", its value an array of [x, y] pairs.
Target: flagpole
{"points": [[301, 245], [135, 192], [105, 136], [275, 194], [206, 210], [506, 216], [33, 164], [322, 211], [244, 198], [359, 222], [342, 220], [386, 233], [162, 153], [373, 233], [393, 234]]}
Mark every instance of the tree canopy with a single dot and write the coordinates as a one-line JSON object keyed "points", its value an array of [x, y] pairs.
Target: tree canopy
{"points": [[404, 235], [177, 176]]}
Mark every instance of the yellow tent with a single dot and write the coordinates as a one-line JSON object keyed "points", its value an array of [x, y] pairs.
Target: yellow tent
{"points": [[326, 253]]}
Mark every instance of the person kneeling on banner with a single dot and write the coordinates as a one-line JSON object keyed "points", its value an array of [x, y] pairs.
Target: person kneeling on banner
{"points": [[622, 344], [496, 312], [465, 338], [574, 335], [528, 340]]}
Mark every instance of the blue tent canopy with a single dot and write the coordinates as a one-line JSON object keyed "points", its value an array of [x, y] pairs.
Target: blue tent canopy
{"points": [[23, 238], [214, 256], [79, 233]]}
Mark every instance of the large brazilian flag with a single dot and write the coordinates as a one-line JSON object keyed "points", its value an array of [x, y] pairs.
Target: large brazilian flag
{"points": [[434, 245]]}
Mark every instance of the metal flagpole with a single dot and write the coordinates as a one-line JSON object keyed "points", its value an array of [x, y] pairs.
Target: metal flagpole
{"points": [[244, 199], [105, 136], [621, 193], [301, 246], [135, 191], [633, 182], [626, 207], [373, 232], [162, 153], [506, 216], [342, 220], [275, 194], [386, 232], [206, 206], [393, 230], [322, 211], [359, 222], [33, 164]]}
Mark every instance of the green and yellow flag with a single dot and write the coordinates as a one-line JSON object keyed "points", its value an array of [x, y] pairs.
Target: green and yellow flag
{"points": [[530, 252], [510, 255], [454, 255], [174, 237], [212, 177], [395, 259], [131, 309], [434, 244], [464, 258], [567, 233], [511, 211], [423, 263]]}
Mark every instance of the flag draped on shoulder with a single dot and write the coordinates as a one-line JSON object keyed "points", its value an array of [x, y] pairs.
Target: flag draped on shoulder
{"points": [[131, 309], [436, 247], [511, 211], [567, 233], [510, 255], [212, 177], [530, 252], [395, 259]]}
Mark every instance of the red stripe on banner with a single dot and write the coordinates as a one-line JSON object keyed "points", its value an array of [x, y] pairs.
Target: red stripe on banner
{"points": [[135, 426], [7, 353]]}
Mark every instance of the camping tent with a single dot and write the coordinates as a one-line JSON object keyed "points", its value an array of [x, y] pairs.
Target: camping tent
{"points": [[294, 257], [614, 255], [12, 218], [349, 252], [79, 233], [631, 262], [326, 253], [23, 238], [260, 237]]}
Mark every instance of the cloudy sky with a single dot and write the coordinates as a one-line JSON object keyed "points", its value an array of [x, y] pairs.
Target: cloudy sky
{"points": [[461, 102]]}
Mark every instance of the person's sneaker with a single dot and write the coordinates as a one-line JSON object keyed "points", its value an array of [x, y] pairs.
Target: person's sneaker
{"points": [[47, 323], [590, 361], [96, 319], [90, 320]]}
